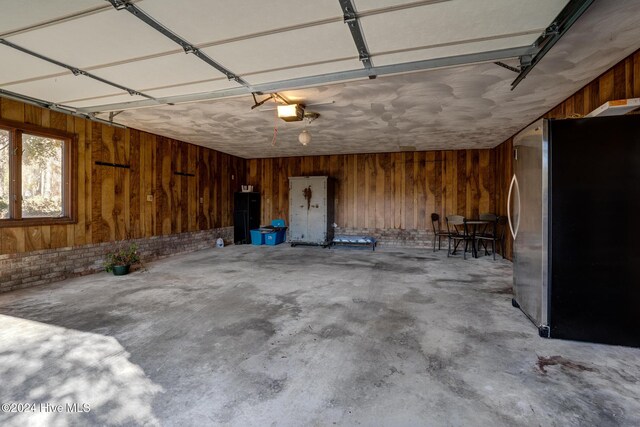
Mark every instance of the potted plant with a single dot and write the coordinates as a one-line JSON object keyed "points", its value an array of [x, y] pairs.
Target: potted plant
{"points": [[120, 260]]}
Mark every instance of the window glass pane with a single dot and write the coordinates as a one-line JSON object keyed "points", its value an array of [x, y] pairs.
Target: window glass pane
{"points": [[4, 174], [41, 176]]}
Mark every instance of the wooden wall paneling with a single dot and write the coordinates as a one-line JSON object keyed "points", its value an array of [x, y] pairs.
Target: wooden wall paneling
{"points": [[112, 202], [226, 174], [448, 180], [33, 239], [33, 115], [378, 165], [360, 189], [108, 183], [57, 235], [135, 208], [398, 165], [12, 110], [432, 186], [635, 76], [335, 172], [283, 192], [461, 182], [620, 81], [203, 174], [175, 190], [371, 173], [408, 192], [606, 86], [45, 117], [57, 120], [473, 183], [99, 229], [126, 185], [184, 187], [214, 201], [215, 197], [191, 190], [164, 180], [80, 227], [486, 181], [119, 184], [420, 183], [389, 171], [146, 185], [13, 240], [267, 179], [594, 96], [208, 191]]}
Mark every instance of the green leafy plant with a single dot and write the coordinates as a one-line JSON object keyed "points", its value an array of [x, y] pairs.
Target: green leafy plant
{"points": [[124, 255]]}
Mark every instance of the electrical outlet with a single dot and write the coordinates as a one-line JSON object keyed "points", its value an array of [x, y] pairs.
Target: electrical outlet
{"points": [[233, 177], [201, 199], [149, 197]]}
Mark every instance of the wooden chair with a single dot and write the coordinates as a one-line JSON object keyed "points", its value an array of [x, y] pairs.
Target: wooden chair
{"points": [[494, 233], [457, 233], [438, 232]]}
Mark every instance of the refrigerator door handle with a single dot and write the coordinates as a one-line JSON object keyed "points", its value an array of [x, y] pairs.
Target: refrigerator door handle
{"points": [[514, 184]]}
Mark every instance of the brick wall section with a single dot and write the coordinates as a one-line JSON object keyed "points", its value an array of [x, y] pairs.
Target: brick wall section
{"points": [[24, 270], [394, 237]]}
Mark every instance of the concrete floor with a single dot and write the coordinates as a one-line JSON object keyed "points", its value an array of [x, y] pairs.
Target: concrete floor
{"points": [[256, 336]]}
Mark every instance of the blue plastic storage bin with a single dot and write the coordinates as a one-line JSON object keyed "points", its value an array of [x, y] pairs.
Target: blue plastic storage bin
{"points": [[257, 237], [274, 238]]}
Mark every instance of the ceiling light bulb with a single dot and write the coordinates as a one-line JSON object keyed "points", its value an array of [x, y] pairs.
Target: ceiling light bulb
{"points": [[291, 112], [304, 137], [287, 110]]}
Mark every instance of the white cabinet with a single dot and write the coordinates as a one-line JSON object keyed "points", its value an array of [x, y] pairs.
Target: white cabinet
{"points": [[310, 210]]}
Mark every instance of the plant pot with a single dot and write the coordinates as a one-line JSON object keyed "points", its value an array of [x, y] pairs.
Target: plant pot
{"points": [[120, 270]]}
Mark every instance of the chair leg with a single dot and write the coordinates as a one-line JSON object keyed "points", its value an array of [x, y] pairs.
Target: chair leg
{"points": [[449, 248], [434, 243], [493, 248]]}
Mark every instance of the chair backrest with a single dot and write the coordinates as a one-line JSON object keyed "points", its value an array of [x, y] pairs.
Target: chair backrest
{"points": [[489, 228], [501, 226], [435, 222], [455, 223], [488, 217]]}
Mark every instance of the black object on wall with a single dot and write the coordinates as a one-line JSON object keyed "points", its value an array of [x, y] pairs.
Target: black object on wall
{"points": [[246, 216]]}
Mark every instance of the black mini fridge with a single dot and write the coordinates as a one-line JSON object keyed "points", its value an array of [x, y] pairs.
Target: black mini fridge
{"points": [[246, 215], [574, 213]]}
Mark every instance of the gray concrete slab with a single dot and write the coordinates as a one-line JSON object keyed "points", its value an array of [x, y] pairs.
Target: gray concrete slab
{"points": [[255, 336]]}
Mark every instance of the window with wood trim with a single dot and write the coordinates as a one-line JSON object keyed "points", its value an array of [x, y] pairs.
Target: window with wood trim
{"points": [[35, 176]]}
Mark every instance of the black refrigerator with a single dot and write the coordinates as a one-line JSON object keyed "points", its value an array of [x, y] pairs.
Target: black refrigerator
{"points": [[246, 215], [574, 213]]}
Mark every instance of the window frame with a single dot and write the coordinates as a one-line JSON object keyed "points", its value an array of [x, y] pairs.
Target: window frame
{"points": [[69, 164]]}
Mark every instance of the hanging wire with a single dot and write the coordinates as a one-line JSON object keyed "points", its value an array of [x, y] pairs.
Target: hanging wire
{"points": [[275, 124]]}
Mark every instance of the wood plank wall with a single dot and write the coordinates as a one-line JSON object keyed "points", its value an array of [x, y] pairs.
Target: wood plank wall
{"points": [[112, 202], [619, 82], [385, 191]]}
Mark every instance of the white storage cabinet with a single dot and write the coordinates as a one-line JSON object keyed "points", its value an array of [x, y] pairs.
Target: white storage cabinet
{"points": [[310, 210]]}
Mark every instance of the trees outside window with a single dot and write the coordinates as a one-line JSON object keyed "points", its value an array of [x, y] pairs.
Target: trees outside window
{"points": [[35, 176], [42, 187]]}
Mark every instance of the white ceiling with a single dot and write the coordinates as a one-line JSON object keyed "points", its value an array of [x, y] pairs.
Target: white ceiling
{"points": [[263, 42]]}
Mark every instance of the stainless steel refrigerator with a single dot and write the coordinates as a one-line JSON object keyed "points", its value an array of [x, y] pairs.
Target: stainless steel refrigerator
{"points": [[574, 214]]}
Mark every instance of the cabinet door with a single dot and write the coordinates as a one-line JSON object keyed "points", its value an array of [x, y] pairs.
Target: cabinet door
{"points": [[297, 210], [308, 210], [317, 211]]}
